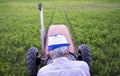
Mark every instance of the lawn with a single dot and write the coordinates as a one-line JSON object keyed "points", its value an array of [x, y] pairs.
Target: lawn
{"points": [[92, 22]]}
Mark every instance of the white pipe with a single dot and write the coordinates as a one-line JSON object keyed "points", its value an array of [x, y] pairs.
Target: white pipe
{"points": [[42, 30], [42, 18]]}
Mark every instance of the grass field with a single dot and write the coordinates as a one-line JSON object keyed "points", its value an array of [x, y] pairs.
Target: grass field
{"points": [[92, 22]]}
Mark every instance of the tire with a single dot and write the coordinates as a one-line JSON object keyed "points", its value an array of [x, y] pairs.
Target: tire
{"points": [[32, 65], [84, 54]]}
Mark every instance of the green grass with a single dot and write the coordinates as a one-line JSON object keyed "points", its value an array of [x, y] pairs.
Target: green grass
{"points": [[92, 22]]}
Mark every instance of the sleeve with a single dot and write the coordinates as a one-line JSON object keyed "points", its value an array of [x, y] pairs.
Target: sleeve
{"points": [[86, 69]]}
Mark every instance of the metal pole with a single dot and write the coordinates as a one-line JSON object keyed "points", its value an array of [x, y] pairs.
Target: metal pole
{"points": [[42, 30]]}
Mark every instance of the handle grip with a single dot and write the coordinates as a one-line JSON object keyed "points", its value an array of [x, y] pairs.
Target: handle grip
{"points": [[40, 6]]}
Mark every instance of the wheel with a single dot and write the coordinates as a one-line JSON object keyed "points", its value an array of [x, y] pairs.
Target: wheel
{"points": [[84, 54], [32, 61]]}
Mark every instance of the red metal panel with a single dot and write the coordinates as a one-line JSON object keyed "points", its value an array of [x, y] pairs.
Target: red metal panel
{"points": [[60, 29]]}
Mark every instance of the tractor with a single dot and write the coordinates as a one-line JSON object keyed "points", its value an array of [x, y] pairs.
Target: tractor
{"points": [[35, 60]]}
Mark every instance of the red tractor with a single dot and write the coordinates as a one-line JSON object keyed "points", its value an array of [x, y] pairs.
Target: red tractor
{"points": [[35, 61]]}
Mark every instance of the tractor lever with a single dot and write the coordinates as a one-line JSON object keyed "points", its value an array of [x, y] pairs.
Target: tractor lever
{"points": [[42, 30]]}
